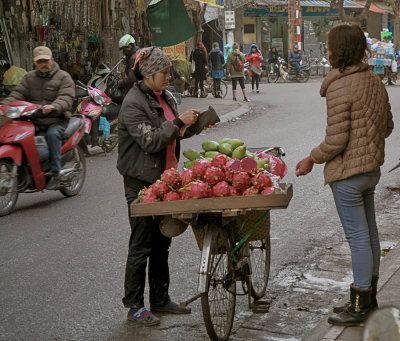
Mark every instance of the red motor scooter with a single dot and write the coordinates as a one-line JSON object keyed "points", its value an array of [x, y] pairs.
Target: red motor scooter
{"points": [[24, 155]]}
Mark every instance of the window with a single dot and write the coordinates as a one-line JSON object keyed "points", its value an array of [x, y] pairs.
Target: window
{"points": [[249, 28]]}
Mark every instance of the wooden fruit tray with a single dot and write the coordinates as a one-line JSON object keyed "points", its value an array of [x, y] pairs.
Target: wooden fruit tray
{"points": [[228, 206]]}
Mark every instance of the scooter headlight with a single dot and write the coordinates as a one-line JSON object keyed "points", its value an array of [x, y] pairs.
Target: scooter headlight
{"points": [[15, 111], [99, 99]]}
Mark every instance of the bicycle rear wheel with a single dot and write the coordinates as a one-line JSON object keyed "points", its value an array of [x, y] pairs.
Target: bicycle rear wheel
{"points": [[218, 303], [224, 89], [260, 260]]}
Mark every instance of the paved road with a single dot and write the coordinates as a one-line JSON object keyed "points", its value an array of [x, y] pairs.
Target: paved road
{"points": [[62, 259]]}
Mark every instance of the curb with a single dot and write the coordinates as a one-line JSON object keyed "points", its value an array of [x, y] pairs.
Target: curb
{"points": [[390, 264], [235, 113]]}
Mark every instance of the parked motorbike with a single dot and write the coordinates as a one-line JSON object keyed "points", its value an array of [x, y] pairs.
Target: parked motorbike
{"points": [[280, 69], [24, 155], [101, 117]]}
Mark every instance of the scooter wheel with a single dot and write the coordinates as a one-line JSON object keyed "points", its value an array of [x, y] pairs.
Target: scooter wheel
{"points": [[8, 196], [77, 178]]}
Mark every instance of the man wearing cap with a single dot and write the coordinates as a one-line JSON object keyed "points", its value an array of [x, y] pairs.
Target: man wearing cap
{"points": [[53, 88], [295, 58], [127, 46]]}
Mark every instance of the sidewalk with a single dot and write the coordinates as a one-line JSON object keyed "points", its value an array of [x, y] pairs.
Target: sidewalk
{"points": [[388, 295], [226, 108]]}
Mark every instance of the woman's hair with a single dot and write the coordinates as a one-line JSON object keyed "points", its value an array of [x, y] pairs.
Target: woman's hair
{"points": [[235, 46], [273, 48], [201, 45], [347, 45]]}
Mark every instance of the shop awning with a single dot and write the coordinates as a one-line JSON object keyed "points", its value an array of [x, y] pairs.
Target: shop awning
{"points": [[373, 7]]}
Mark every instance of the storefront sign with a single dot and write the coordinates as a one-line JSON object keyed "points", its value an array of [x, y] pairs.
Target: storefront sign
{"points": [[281, 11], [216, 3], [176, 51]]}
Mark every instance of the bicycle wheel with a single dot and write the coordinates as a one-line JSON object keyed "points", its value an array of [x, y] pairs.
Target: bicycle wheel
{"points": [[218, 303], [273, 77], [224, 89], [260, 260]]}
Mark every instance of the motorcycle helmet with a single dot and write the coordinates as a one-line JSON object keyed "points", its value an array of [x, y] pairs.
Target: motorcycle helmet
{"points": [[125, 41]]}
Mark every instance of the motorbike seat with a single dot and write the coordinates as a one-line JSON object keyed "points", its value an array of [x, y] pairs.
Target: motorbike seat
{"points": [[111, 111], [73, 125]]}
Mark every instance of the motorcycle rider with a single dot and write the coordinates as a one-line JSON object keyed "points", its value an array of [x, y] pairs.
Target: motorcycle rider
{"points": [[295, 58], [128, 47], [55, 90]]}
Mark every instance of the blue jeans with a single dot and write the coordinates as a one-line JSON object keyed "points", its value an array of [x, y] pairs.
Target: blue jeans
{"points": [[54, 141], [354, 199], [296, 65]]}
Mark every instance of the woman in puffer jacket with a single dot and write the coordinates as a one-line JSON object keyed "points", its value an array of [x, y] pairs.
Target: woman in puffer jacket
{"points": [[359, 121]]}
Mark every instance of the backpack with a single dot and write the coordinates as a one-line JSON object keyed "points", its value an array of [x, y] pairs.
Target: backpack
{"points": [[238, 64]]}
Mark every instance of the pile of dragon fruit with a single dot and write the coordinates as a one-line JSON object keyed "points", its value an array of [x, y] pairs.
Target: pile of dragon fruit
{"points": [[221, 177]]}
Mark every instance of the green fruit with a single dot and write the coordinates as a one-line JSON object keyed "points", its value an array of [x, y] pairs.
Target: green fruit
{"points": [[260, 164], [235, 143], [225, 140], [191, 154], [209, 158], [239, 152], [190, 164], [266, 167], [211, 154], [250, 154], [210, 146], [225, 148]]}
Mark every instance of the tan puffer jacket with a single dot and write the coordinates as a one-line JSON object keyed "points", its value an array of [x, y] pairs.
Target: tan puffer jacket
{"points": [[359, 120]]}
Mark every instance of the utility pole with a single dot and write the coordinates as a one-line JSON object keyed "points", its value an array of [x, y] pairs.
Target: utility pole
{"points": [[229, 22], [291, 24]]}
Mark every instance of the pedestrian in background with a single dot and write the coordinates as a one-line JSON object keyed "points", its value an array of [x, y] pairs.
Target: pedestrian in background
{"points": [[228, 50], [359, 121], [200, 58], [217, 68], [254, 58], [235, 68], [149, 131], [273, 56]]}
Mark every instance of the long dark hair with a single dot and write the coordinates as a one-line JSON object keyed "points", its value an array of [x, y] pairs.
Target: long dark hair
{"points": [[347, 45], [203, 48]]}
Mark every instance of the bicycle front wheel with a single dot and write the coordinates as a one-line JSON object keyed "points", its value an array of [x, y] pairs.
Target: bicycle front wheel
{"points": [[218, 303]]}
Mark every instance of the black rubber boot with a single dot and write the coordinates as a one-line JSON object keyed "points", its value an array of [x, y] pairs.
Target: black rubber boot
{"points": [[358, 310], [374, 302]]}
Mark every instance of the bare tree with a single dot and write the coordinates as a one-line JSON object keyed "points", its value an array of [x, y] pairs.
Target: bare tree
{"points": [[196, 11], [395, 6], [354, 17]]}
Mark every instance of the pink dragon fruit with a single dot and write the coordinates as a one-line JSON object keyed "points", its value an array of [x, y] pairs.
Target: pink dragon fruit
{"points": [[194, 190], [228, 176], [234, 192], [172, 178], [160, 188], [241, 180], [221, 189], [172, 196], [268, 190], [147, 196], [251, 191], [220, 160], [186, 177], [214, 175], [248, 165], [233, 164], [261, 181], [199, 168]]}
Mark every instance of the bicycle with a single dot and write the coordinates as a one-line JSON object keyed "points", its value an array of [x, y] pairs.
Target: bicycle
{"points": [[233, 236], [208, 86]]}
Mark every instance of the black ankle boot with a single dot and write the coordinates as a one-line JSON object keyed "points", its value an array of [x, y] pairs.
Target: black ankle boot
{"points": [[374, 302], [358, 310]]}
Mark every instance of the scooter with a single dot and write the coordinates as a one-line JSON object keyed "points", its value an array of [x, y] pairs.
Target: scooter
{"points": [[101, 117], [24, 155], [280, 69]]}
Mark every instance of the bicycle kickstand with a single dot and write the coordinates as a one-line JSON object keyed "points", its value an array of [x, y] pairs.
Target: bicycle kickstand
{"points": [[190, 300]]}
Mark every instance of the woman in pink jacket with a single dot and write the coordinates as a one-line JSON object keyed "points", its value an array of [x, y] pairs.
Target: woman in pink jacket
{"points": [[254, 57]]}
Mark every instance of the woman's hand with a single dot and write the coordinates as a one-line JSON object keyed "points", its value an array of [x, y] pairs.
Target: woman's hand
{"points": [[189, 117], [305, 166]]}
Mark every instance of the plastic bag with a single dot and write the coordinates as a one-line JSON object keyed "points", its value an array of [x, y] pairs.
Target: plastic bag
{"points": [[104, 126], [276, 165]]}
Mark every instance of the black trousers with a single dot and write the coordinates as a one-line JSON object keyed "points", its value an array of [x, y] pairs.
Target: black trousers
{"points": [[198, 84], [237, 79], [255, 78], [145, 243]]}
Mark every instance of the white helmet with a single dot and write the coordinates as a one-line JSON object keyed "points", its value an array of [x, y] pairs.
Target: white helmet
{"points": [[126, 40]]}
